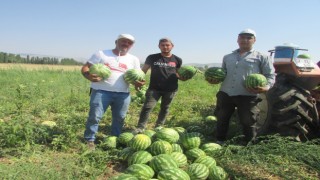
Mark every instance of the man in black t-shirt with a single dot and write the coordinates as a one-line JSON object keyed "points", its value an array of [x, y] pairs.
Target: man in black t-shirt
{"points": [[163, 83]]}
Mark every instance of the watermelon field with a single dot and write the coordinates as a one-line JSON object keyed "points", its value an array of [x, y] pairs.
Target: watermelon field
{"points": [[31, 148]]}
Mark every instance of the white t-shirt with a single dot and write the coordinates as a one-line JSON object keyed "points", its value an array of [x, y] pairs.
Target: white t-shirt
{"points": [[118, 66]]}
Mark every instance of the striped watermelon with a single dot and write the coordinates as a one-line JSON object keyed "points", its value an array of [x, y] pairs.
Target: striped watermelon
{"points": [[198, 171], [101, 70], [124, 177], [149, 133], [193, 154], [162, 161], [180, 130], [217, 172], [173, 174], [168, 134], [139, 157], [109, 142], [190, 140], [210, 147], [141, 171], [194, 129], [211, 118], [255, 80], [187, 72], [125, 138], [133, 75], [176, 148], [180, 158], [160, 147], [125, 153], [140, 142], [206, 160], [215, 73]]}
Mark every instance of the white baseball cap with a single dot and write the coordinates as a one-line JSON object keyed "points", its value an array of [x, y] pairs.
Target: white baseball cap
{"points": [[249, 32], [126, 36]]}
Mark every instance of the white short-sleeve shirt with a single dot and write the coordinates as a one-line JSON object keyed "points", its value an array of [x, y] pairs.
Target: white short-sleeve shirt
{"points": [[118, 66]]}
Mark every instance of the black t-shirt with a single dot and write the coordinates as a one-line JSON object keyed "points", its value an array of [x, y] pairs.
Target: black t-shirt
{"points": [[163, 72]]}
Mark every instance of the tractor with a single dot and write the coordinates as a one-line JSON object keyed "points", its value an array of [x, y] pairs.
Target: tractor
{"points": [[291, 107]]}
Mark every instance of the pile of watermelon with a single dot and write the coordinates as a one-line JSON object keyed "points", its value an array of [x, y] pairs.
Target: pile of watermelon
{"points": [[187, 72], [133, 75], [214, 73], [167, 153], [255, 80], [101, 70]]}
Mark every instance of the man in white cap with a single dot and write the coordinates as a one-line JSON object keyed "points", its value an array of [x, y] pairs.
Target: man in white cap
{"points": [[113, 91], [234, 94]]}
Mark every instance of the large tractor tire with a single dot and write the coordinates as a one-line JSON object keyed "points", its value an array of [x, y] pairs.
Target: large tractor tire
{"points": [[291, 111]]}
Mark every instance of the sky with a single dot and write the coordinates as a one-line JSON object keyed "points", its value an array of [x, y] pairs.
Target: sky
{"points": [[202, 31]]}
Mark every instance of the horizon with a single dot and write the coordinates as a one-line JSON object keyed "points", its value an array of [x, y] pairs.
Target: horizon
{"points": [[202, 31]]}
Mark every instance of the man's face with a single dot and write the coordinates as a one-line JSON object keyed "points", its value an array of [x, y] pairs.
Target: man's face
{"points": [[246, 41], [123, 45], [165, 47]]}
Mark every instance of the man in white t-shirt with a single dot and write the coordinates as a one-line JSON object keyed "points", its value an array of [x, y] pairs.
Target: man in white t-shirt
{"points": [[113, 91]]}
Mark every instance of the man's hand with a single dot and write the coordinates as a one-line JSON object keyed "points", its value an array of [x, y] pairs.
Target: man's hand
{"points": [[258, 90], [94, 78], [213, 81], [139, 84]]}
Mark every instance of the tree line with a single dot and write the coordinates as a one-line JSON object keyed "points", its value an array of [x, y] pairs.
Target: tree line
{"points": [[16, 58]]}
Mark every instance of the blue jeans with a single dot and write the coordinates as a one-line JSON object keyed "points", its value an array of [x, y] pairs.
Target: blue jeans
{"points": [[99, 102], [152, 97]]}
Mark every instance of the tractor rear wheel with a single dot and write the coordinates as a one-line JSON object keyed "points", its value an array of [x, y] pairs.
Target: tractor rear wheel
{"points": [[291, 111]]}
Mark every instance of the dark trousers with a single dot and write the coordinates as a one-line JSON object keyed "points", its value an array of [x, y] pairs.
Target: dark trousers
{"points": [[248, 113], [152, 97]]}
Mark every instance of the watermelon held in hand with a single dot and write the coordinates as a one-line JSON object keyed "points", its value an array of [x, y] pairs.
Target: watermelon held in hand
{"points": [[214, 73], [187, 72], [133, 75], [255, 80], [101, 70]]}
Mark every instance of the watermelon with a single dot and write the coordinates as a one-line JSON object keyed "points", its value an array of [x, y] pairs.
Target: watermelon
{"points": [[140, 142], [194, 129], [193, 154], [125, 153], [161, 162], [217, 172], [176, 148], [133, 75], [187, 72], [124, 177], [206, 160], [168, 134], [173, 174], [190, 140], [125, 138], [101, 70], [180, 130], [304, 56], [210, 147], [255, 80], [109, 142], [141, 171], [149, 133], [211, 118], [160, 147], [49, 124], [180, 158], [214, 73], [139, 157], [198, 171]]}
